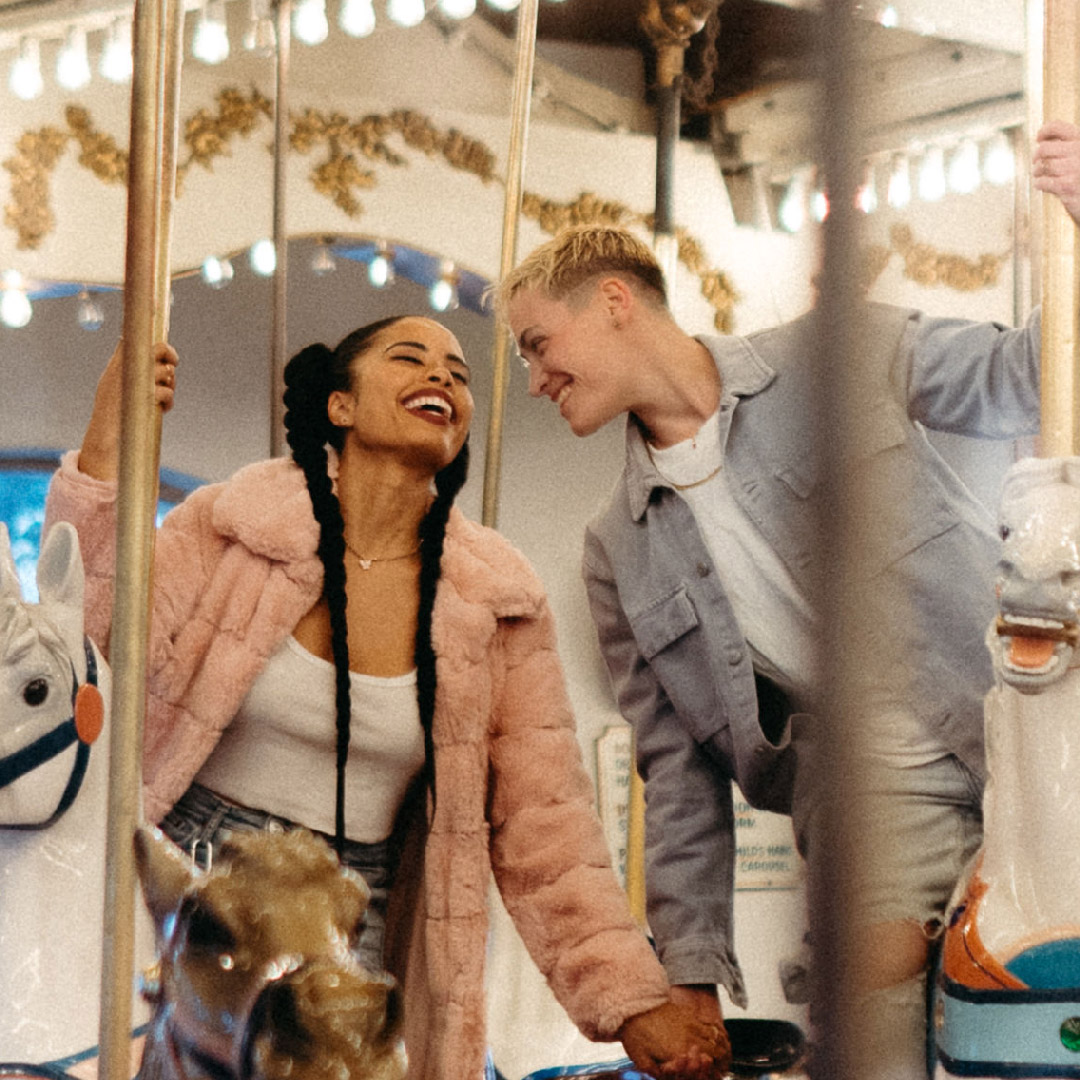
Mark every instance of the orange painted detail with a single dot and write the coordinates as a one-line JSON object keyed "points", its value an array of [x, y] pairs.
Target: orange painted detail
{"points": [[966, 959], [89, 713]]}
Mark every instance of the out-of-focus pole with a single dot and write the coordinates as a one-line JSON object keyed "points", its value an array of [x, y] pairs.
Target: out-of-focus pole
{"points": [[1060, 434], [515, 171], [670, 24], [846, 518], [139, 433], [278, 340]]}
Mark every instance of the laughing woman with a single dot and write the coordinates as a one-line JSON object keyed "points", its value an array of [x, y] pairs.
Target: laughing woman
{"points": [[335, 646]]}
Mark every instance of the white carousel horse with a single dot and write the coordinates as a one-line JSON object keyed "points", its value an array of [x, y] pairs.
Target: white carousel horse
{"points": [[1009, 993], [257, 979], [53, 787]]}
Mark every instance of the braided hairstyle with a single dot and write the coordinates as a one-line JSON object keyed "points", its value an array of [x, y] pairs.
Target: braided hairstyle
{"points": [[311, 376]]}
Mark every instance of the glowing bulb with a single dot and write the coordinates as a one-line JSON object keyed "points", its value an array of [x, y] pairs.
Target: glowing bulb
{"points": [[25, 77], [381, 267], [15, 309], [210, 43], [356, 17], [963, 175], [72, 62], [309, 22], [457, 9], [932, 184], [217, 273], [899, 191], [405, 12], [999, 164], [792, 209], [866, 197], [819, 205], [263, 257], [443, 295], [504, 5], [89, 315], [889, 17], [116, 62]]}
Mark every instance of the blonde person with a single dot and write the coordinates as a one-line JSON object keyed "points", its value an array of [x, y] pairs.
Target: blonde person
{"points": [[335, 646], [699, 575]]}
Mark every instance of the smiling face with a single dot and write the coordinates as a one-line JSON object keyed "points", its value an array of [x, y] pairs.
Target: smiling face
{"points": [[410, 394], [574, 352]]}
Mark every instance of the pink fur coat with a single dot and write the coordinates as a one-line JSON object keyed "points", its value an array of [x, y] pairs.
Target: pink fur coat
{"points": [[235, 569]]}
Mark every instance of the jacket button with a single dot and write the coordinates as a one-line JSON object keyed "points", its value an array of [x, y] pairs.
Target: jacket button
{"points": [[703, 569], [734, 656]]}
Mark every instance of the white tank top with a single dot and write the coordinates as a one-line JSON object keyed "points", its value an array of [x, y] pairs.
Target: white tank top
{"points": [[278, 754]]}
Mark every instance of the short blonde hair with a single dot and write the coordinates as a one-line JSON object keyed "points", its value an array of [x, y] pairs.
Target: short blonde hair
{"points": [[574, 256]]}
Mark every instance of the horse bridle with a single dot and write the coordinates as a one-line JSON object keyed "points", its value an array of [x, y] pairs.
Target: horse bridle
{"points": [[73, 730]]}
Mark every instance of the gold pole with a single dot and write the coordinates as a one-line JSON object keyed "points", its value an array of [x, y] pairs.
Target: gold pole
{"points": [[1060, 435], [134, 541], [172, 50], [278, 339], [515, 168]]}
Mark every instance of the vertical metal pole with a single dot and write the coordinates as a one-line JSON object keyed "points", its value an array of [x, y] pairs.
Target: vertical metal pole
{"points": [[172, 33], [515, 169], [833, 861], [1060, 433], [278, 338], [134, 545], [669, 64]]}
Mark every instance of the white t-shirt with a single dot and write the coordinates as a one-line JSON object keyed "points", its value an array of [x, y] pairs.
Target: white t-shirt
{"points": [[278, 754]]}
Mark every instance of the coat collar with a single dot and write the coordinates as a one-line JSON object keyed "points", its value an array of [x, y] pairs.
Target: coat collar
{"points": [[266, 508], [743, 373]]}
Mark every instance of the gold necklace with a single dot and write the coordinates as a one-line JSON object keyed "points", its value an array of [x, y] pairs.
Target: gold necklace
{"points": [[365, 564]]}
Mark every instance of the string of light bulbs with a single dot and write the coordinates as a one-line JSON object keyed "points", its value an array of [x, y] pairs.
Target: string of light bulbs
{"points": [[210, 39]]}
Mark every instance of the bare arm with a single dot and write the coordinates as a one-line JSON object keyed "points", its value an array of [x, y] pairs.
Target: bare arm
{"points": [[100, 451]]}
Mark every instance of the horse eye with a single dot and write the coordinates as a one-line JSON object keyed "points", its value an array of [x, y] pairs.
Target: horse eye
{"points": [[35, 692]]}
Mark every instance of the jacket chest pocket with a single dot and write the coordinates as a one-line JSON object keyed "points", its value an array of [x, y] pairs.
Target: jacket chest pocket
{"points": [[670, 638]]}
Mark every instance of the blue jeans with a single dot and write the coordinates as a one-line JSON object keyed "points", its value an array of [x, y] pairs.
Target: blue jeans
{"points": [[201, 820]]}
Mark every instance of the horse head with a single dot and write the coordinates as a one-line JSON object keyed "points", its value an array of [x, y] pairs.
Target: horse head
{"points": [[1034, 641], [257, 978], [51, 709]]}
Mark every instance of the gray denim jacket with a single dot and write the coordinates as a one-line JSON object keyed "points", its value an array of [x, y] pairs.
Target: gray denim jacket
{"points": [[679, 665]]}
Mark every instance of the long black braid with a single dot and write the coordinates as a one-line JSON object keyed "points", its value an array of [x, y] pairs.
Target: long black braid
{"points": [[310, 377]]}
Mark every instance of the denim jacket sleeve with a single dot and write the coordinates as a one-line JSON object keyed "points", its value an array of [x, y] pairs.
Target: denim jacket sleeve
{"points": [[689, 821]]}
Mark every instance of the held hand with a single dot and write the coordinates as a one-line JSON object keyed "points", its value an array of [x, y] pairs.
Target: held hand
{"points": [[670, 1042], [1055, 164], [99, 455]]}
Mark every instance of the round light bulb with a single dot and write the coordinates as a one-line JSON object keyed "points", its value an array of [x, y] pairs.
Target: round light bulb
{"points": [[89, 315], [116, 63], [210, 43], [15, 308], [381, 270], [25, 77], [932, 184], [999, 164], [72, 62], [405, 12], [899, 193], [217, 273], [309, 22], [356, 17], [263, 257]]}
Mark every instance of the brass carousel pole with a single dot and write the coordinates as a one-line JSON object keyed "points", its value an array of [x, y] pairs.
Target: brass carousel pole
{"points": [[1060, 435], [515, 169], [136, 501], [278, 339], [670, 24]]}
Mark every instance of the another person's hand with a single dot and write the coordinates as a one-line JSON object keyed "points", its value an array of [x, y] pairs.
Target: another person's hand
{"points": [[670, 1042], [100, 453], [1055, 164], [701, 999]]}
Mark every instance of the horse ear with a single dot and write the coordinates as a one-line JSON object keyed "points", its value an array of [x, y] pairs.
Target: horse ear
{"points": [[164, 872], [9, 576], [60, 581]]}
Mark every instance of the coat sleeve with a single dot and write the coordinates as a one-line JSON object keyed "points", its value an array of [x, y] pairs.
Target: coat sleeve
{"points": [[978, 379], [689, 818], [548, 851], [186, 547]]}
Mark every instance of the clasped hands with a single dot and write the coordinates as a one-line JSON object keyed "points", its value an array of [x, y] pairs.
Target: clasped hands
{"points": [[671, 1042]]}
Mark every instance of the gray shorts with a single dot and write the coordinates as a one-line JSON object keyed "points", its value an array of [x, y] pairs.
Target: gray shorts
{"points": [[201, 820]]}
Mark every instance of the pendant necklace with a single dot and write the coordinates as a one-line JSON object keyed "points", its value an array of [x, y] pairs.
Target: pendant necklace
{"points": [[365, 564]]}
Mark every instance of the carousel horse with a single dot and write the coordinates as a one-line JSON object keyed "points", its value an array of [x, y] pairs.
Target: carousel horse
{"points": [[1008, 994], [256, 978], [53, 791]]}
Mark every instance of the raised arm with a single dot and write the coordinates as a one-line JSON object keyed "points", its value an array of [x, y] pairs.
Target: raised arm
{"points": [[100, 453]]}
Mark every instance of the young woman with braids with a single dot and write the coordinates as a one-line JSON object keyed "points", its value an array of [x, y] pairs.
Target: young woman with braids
{"points": [[328, 629]]}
